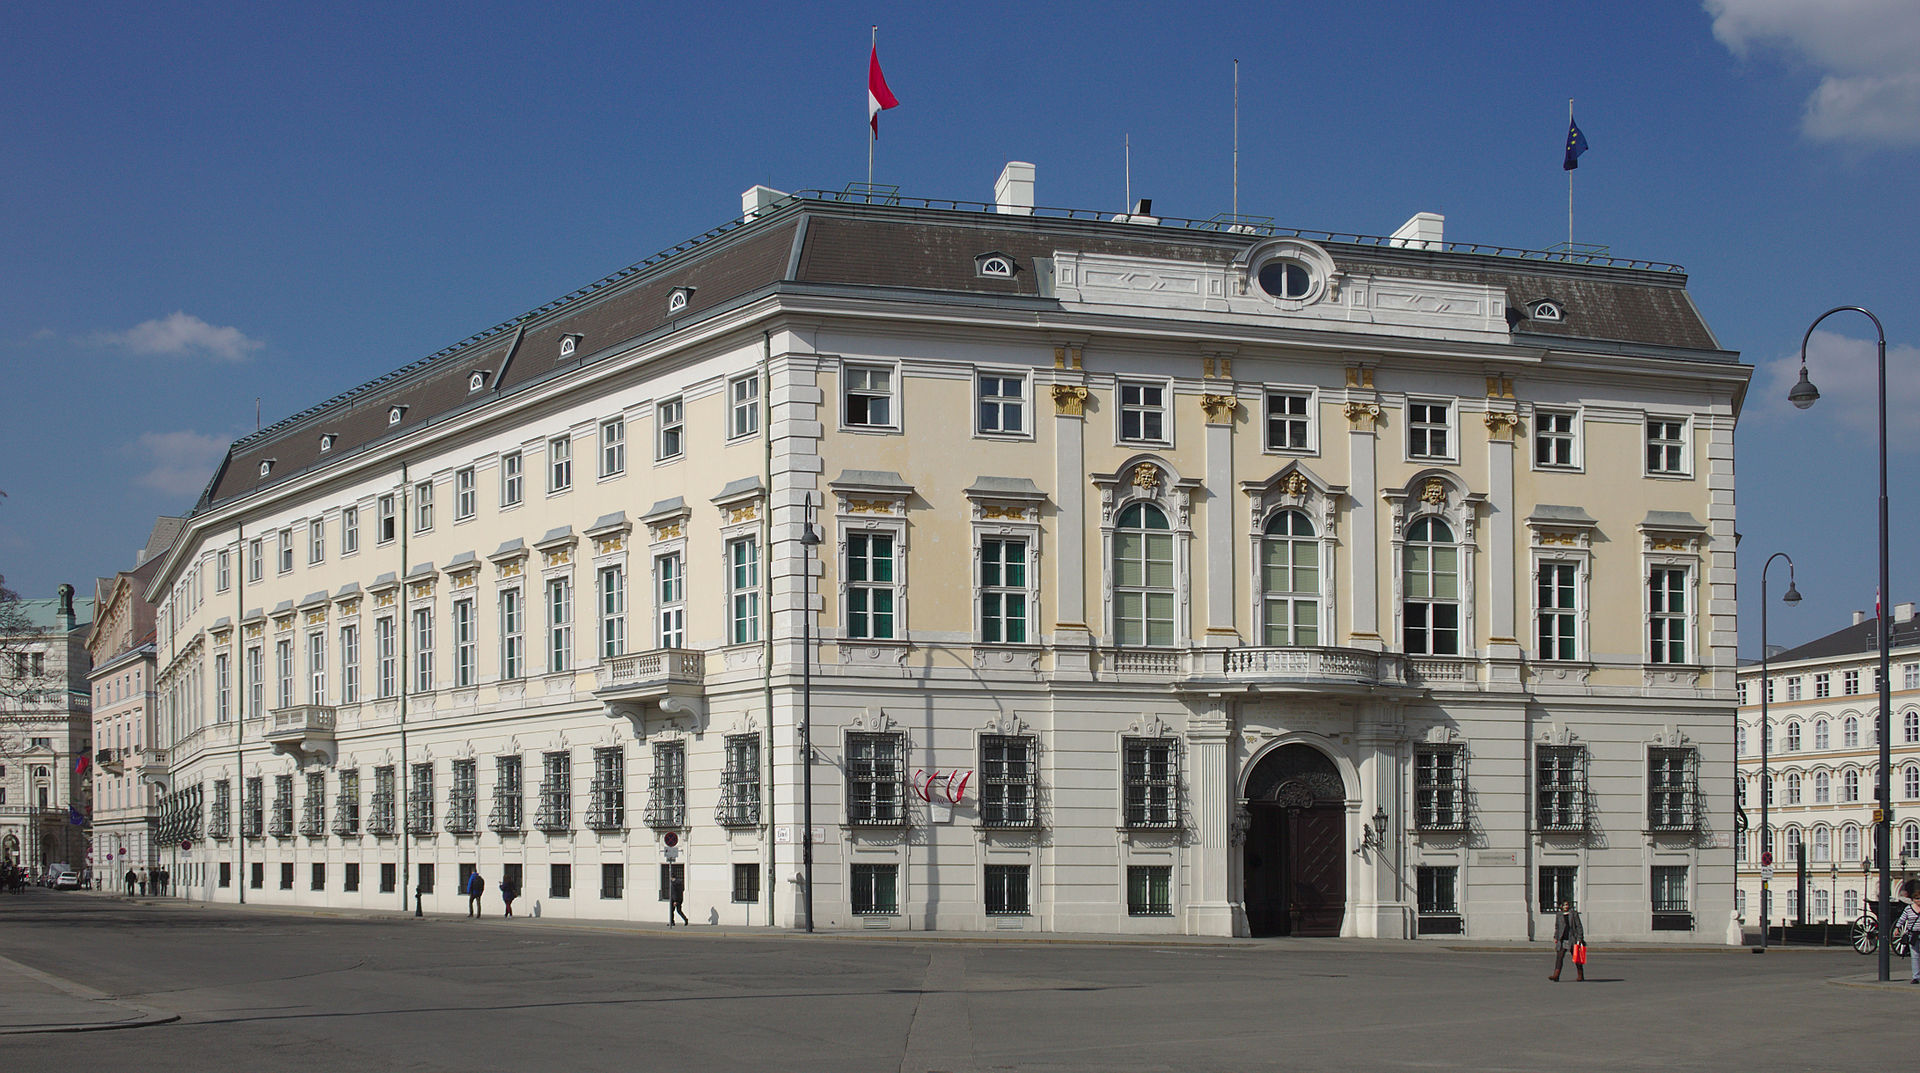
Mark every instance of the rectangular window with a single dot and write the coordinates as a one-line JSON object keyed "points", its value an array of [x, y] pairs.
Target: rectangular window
{"points": [[1560, 787], [740, 782], [223, 572], [349, 530], [256, 556], [1007, 890], [559, 625], [1557, 884], [463, 797], [744, 417], [669, 873], [1149, 890], [1666, 446], [281, 823], [1289, 421], [613, 611], [1672, 784], [556, 792], [319, 881], [869, 397], [1429, 429], [512, 481], [1003, 591], [1822, 685], [1440, 788], [1909, 676], [513, 640], [466, 644], [1009, 780], [316, 541], [316, 668], [876, 779], [286, 875], [253, 807], [1670, 889], [607, 807], [346, 807], [746, 882], [876, 889], [1143, 413], [559, 464], [423, 507], [256, 683], [671, 583], [1667, 615], [613, 447], [1151, 778], [350, 880], [1556, 616], [386, 520], [870, 576], [349, 664], [424, 884], [220, 821], [285, 558], [256, 875], [222, 688], [386, 657], [613, 881], [420, 800], [667, 794], [1793, 688], [743, 595], [283, 674], [226, 874], [389, 877], [1438, 890], [466, 497], [1553, 440], [423, 650], [1002, 406], [509, 804], [669, 429], [1850, 681]]}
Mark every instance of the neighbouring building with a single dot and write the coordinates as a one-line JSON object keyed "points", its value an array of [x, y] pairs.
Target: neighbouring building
{"points": [[1823, 708], [120, 648], [44, 727], [1162, 576]]}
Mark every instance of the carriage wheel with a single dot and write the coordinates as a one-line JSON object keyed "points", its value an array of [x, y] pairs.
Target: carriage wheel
{"points": [[1866, 934]]}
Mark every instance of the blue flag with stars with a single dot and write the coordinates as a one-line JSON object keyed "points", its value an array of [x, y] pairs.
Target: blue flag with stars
{"points": [[1576, 144]]}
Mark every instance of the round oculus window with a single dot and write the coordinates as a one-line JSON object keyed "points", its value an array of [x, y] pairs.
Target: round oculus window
{"points": [[1286, 278]]}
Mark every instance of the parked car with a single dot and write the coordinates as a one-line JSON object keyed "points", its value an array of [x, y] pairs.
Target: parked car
{"points": [[67, 881]]}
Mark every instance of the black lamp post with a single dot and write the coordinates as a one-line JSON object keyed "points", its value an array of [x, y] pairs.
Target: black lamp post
{"points": [[1791, 596], [1803, 394], [809, 539]]}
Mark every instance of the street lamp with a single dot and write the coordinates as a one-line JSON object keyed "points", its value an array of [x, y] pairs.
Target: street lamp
{"points": [[1791, 596], [1803, 394], [809, 539]]}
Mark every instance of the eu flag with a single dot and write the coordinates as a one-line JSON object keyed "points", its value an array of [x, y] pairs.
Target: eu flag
{"points": [[1576, 144]]}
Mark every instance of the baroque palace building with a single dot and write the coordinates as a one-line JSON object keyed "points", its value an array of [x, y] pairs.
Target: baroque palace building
{"points": [[1160, 576], [1823, 709]]}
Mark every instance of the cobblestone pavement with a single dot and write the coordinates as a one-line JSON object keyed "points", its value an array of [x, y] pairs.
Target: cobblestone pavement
{"points": [[102, 982]]}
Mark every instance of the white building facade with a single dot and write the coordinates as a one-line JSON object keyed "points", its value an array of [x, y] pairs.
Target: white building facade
{"points": [[1161, 577]]}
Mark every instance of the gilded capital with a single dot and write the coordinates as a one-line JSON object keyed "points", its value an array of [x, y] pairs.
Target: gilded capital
{"points": [[1070, 400], [1502, 426], [1219, 408], [1363, 415]]}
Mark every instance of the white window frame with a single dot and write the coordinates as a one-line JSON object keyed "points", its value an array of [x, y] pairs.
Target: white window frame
{"points": [[557, 601], [610, 607], [466, 642], [743, 406], [1309, 419], [1687, 617], [1448, 428], [670, 429], [743, 588], [283, 673], [256, 560], [466, 494], [1020, 404], [223, 571], [513, 632], [386, 519], [422, 627], [513, 479], [1323, 545], [349, 663], [560, 464], [852, 540], [316, 541], [670, 596], [1571, 436], [889, 397], [1676, 457], [1579, 557], [423, 506], [222, 687], [1143, 410], [386, 660], [349, 531], [317, 667], [613, 447], [283, 557]]}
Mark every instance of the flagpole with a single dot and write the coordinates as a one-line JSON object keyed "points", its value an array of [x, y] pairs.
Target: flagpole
{"points": [[874, 45], [1569, 186], [1236, 143]]}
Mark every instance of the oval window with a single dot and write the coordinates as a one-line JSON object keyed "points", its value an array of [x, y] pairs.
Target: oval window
{"points": [[1283, 278]]}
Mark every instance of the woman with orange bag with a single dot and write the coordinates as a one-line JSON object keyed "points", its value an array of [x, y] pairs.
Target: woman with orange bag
{"points": [[1569, 936]]}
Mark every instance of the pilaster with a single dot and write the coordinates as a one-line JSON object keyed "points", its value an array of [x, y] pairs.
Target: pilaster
{"points": [[1072, 636], [1363, 575], [1221, 408], [1210, 910]]}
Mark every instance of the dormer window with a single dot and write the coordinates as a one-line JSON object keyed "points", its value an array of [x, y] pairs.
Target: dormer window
{"points": [[394, 415], [677, 300], [326, 442], [476, 380], [1293, 272], [1546, 309], [994, 266], [569, 344], [266, 466]]}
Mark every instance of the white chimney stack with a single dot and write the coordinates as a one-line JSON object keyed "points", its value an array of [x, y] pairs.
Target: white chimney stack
{"points": [[1013, 190], [1421, 232], [758, 199], [1903, 612], [1859, 617]]}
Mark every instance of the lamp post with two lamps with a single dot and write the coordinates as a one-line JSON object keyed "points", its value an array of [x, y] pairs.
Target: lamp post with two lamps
{"points": [[1803, 394], [1791, 596]]}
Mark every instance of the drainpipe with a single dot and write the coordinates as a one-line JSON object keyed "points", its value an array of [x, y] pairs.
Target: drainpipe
{"points": [[400, 627], [766, 615], [239, 799]]}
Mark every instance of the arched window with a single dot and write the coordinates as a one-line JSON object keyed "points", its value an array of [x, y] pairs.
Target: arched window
{"points": [[1740, 740], [1793, 902], [1849, 844], [1850, 786], [1910, 840], [1431, 610], [1910, 780], [1793, 843], [1290, 580], [1793, 788], [1913, 727], [1822, 845], [1766, 841], [1850, 733], [1740, 791], [1793, 737], [1770, 797], [1822, 788], [1143, 599], [1822, 739]]}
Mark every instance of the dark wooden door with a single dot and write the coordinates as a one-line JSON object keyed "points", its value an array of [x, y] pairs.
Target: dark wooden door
{"points": [[1265, 873], [1294, 874]]}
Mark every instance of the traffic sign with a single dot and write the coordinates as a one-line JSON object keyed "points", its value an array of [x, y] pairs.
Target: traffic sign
{"points": [[671, 839], [1879, 816], [671, 853], [1767, 857], [1766, 871]]}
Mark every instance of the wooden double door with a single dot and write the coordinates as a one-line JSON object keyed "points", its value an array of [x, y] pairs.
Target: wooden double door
{"points": [[1294, 874]]}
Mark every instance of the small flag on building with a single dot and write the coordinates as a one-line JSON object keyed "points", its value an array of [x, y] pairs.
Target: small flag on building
{"points": [[81, 763], [1576, 144], [74, 817], [879, 97]]}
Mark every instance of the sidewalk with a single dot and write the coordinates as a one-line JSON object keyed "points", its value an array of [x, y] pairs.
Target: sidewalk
{"points": [[32, 1001]]}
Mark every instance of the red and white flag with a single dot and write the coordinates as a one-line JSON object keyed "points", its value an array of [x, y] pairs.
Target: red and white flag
{"points": [[879, 97]]}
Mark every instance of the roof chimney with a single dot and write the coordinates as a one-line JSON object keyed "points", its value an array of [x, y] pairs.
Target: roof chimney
{"points": [[1903, 612], [1013, 190], [1422, 231], [757, 200], [1859, 617]]}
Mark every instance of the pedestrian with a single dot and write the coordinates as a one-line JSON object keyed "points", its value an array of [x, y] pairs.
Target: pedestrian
{"points": [[676, 899], [143, 881], [508, 890], [1909, 925], [131, 880], [476, 886], [1569, 937], [160, 888]]}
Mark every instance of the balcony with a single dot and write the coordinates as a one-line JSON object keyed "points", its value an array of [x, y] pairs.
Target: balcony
{"points": [[1266, 669], [668, 681], [304, 732], [111, 761], [149, 766]]}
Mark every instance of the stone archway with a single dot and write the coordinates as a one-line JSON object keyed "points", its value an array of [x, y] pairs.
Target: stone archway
{"points": [[1293, 879]]}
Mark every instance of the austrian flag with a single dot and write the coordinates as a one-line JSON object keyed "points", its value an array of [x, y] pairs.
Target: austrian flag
{"points": [[879, 97]]}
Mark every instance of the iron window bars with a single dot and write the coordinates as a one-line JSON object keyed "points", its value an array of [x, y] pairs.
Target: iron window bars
{"points": [[1151, 771], [740, 783], [346, 805], [1673, 777], [1009, 779], [282, 823], [607, 805], [509, 807], [556, 802], [463, 793], [667, 794], [313, 810], [1561, 787], [420, 801], [876, 779], [1440, 788], [380, 817]]}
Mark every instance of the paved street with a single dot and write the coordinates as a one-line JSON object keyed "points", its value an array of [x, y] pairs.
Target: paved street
{"points": [[200, 988]]}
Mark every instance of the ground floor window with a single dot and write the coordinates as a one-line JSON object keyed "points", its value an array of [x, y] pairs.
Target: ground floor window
{"points": [[257, 876], [746, 882], [1149, 890], [1439, 899], [319, 877], [388, 877], [1007, 890], [876, 888], [286, 876], [669, 873], [1556, 886], [425, 885], [350, 882], [510, 877], [226, 873], [613, 881], [1740, 902], [1850, 902], [560, 881]]}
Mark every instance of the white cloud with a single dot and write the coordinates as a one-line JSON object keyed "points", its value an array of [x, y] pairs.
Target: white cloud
{"points": [[181, 462], [1868, 53], [182, 334], [1845, 371]]}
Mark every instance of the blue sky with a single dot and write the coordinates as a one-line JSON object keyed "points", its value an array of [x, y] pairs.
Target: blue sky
{"points": [[212, 203]]}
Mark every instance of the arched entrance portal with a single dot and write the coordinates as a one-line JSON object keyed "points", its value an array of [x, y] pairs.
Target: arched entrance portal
{"points": [[1295, 874]]}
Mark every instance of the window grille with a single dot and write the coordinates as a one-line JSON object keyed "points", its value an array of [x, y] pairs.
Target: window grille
{"points": [[252, 821], [740, 782], [313, 811], [1438, 890], [463, 793], [667, 794], [876, 779], [1561, 786], [282, 826], [509, 807], [220, 823], [607, 810], [1557, 883], [1673, 789], [380, 814], [1440, 788], [556, 799], [1008, 781], [1008, 890], [876, 889], [1149, 890], [1152, 775], [420, 801], [346, 806]]}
